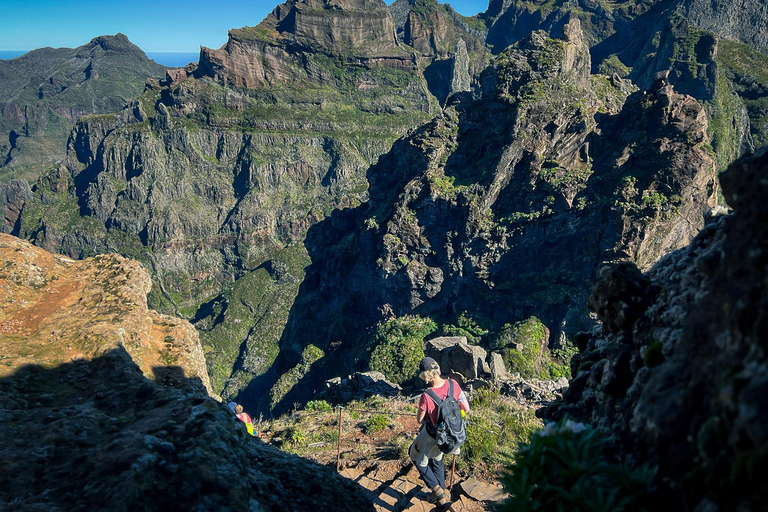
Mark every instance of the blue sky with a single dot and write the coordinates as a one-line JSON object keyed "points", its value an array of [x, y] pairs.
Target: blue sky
{"points": [[155, 26]]}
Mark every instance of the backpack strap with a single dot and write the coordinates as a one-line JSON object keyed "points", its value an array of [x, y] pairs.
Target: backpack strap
{"points": [[434, 397]]}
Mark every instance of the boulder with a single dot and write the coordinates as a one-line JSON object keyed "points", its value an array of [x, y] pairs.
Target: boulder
{"points": [[455, 354], [496, 364], [359, 386]]}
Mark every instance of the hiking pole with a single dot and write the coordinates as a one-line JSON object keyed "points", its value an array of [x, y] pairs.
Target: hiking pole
{"points": [[453, 467], [338, 444]]}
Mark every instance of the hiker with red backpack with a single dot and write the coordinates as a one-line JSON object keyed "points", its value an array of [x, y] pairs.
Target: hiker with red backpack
{"points": [[441, 413]]}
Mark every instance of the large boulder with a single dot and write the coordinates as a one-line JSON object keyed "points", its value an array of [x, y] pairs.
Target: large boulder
{"points": [[454, 354]]}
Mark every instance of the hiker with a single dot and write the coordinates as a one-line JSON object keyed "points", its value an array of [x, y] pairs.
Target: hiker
{"points": [[243, 416], [238, 411], [424, 451]]}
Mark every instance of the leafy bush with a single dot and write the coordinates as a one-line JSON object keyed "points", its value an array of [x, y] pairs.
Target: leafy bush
{"points": [[375, 423], [318, 406], [295, 436], [466, 326], [495, 427], [399, 346], [523, 347], [566, 467]]}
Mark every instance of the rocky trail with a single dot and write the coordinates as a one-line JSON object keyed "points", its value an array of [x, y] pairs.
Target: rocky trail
{"points": [[378, 463], [395, 486]]}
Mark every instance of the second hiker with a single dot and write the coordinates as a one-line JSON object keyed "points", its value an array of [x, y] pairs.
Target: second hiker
{"points": [[243, 416], [441, 411]]}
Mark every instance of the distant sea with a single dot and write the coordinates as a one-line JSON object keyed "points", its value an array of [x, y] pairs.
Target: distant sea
{"points": [[170, 59], [173, 60], [6, 55]]}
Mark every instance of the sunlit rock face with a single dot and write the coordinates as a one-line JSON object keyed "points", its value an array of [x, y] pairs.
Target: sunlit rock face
{"points": [[360, 32]]}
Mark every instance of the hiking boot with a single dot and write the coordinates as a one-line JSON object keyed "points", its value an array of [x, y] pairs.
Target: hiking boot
{"points": [[437, 494]]}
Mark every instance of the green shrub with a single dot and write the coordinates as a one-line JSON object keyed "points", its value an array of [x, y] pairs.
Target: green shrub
{"points": [[318, 406], [566, 467], [399, 346], [295, 436], [466, 326], [375, 423]]}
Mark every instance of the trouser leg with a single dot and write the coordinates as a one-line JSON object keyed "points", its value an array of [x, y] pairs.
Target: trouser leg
{"points": [[438, 469], [429, 476]]}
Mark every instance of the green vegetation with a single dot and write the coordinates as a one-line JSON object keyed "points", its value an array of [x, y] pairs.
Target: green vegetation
{"points": [[317, 406], [257, 292], [612, 64], [496, 427], [566, 467], [375, 423], [398, 346], [466, 326], [285, 383], [523, 347], [745, 68]]}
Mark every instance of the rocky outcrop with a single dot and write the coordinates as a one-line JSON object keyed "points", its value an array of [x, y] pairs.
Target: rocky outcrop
{"points": [[360, 386], [453, 354], [97, 435], [499, 197], [43, 92], [57, 310], [745, 21], [451, 46], [676, 372], [359, 32]]}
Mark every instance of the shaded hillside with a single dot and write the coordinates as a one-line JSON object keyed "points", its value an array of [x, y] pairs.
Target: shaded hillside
{"points": [[676, 373], [97, 435], [55, 310], [43, 92], [504, 206]]}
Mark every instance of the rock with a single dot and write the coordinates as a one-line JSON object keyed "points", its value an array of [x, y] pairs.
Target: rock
{"points": [[359, 386], [140, 445], [677, 386], [80, 309], [454, 354], [482, 491], [497, 367], [13, 197], [460, 79], [265, 54]]}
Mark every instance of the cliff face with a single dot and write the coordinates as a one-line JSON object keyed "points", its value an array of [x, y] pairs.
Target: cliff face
{"points": [[505, 205], [677, 370], [97, 435], [360, 32], [57, 310], [43, 92]]}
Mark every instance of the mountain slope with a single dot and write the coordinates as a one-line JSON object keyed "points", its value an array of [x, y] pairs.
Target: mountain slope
{"points": [[43, 92]]}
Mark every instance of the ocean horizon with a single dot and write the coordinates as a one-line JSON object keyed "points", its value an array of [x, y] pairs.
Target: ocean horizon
{"points": [[173, 59], [10, 54], [170, 59]]}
